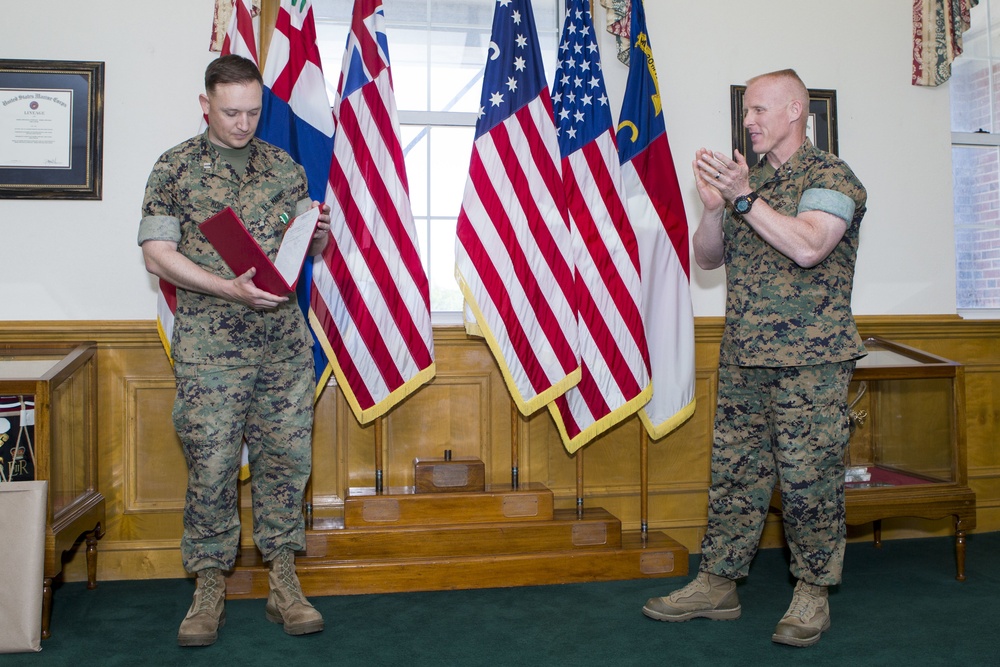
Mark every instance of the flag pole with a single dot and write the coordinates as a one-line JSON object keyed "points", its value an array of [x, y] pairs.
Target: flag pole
{"points": [[643, 483], [307, 503], [268, 17], [579, 483], [515, 421], [378, 454]]}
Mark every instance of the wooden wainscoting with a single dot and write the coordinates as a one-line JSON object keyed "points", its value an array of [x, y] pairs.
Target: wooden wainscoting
{"points": [[467, 409]]}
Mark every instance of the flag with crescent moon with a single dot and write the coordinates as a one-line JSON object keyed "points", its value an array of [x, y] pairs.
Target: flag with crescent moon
{"points": [[657, 212], [514, 259]]}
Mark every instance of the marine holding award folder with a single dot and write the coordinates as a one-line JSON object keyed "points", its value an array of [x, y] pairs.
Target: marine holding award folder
{"points": [[241, 346], [227, 233]]}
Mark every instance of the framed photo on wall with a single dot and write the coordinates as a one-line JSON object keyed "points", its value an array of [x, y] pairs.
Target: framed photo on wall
{"points": [[51, 129], [821, 126]]}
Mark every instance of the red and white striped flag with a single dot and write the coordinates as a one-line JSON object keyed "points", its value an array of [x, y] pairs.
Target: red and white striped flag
{"points": [[615, 362], [241, 36], [657, 212], [371, 299], [514, 259], [241, 40]]}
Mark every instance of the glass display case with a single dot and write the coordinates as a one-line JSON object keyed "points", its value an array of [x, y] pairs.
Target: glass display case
{"points": [[907, 455], [55, 387]]}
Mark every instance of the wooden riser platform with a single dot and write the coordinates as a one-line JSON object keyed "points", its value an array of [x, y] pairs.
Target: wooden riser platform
{"points": [[403, 507], [659, 556], [566, 531]]}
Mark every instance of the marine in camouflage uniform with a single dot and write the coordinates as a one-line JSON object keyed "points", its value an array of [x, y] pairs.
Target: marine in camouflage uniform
{"points": [[788, 353], [243, 362], [241, 373], [787, 356]]}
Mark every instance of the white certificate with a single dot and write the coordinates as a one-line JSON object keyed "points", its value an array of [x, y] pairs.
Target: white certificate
{"points": [[36, 128], [295, 243]]}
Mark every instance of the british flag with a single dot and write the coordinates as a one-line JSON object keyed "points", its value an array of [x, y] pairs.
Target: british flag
{"points": [[514, 261], [614, 359]]}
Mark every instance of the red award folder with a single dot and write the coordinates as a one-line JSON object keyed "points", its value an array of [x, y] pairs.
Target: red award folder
{"points": [[227, 233]]}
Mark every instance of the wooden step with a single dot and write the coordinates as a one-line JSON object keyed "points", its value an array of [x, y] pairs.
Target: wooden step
{"points": [[400, 506], [329, 539], [658, 556]]}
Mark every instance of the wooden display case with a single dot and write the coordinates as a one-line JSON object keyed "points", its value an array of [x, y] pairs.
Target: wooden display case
{"points": [[62, 379], [907, 454]]}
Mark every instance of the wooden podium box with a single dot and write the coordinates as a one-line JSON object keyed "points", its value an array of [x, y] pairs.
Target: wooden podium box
{"points": [[447, 474]]}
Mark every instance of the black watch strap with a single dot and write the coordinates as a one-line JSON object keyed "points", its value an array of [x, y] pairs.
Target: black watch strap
{"points": [[743, 203]]}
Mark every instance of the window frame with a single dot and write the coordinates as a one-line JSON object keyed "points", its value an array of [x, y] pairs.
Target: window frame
{"points": [[982, 138], [407, 119]]}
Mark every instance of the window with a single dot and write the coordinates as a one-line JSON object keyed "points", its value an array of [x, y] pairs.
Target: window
{"points": [[437, 51], [975, 127]]}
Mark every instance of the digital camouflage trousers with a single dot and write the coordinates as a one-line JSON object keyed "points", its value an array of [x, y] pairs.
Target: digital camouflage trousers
{"points": [[217, 408], [787, 426]]}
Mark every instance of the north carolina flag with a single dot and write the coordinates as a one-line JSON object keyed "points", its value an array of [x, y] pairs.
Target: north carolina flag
{"points": [[514, 259], [240, 40], [371, 299], [296, 117], [615, 362], [657, 212]]}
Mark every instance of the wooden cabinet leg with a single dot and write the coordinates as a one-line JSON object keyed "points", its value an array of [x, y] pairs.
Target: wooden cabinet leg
{"points": [[877, 532], [960, 550], [46, 606], [92, 560]]}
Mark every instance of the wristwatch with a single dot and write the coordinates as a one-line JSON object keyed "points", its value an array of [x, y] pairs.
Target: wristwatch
{"points": [[743, 203]]}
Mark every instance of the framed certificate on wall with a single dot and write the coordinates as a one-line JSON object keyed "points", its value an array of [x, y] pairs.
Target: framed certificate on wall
{"points": [[51, 129]]}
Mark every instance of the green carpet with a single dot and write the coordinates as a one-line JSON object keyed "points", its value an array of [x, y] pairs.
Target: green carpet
{"points": [[899, 605]]}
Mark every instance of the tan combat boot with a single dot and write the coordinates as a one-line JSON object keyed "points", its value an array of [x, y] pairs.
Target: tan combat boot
{"points": [[708, 596], [207, 614], [807, 618], [285, 603]]}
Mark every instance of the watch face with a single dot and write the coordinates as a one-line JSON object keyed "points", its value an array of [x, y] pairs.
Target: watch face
{"points": [[742, 204]]}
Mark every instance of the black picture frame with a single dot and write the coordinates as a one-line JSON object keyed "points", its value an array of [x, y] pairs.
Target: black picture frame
{"points": [[73, 130], [822, 128]]}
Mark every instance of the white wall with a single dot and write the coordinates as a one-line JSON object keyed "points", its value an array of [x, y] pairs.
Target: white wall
{"points": [[79, 261]]}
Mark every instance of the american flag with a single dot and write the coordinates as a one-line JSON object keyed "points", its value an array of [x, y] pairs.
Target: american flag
{"points": [[296, 118], [371, 299], [615, 362], [657, 211], [514, 259], [240, 40]]}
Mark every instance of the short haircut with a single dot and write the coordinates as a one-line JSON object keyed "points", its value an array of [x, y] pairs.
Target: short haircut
{"points": [[231, 69], [791, 79]]}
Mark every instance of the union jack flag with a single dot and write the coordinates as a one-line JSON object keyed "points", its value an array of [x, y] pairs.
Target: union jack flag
{"points": [[371, 299], [514, 260], [615, 362]]}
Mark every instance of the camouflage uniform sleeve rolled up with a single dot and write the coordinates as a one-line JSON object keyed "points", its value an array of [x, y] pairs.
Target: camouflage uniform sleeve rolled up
{"points": [[777, 312], [192, 182]]}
